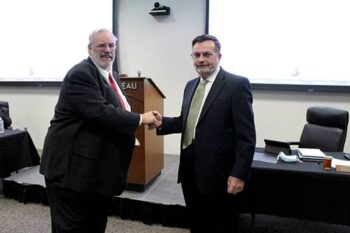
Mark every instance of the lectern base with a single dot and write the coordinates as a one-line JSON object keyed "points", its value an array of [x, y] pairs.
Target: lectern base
{"points": [[141, 187]]}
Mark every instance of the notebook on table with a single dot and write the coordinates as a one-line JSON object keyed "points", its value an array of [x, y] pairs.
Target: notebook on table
{"points": [[311, 154]]}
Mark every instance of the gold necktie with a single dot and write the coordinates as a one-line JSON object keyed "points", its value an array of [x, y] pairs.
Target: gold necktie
{"points": [[193, 114]]}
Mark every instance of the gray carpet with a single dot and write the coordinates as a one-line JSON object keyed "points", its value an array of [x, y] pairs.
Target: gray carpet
{"points": [[16, 217]]}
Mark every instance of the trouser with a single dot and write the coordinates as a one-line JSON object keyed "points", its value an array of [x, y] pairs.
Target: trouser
{"points": [[208, 213], [76, 212]]}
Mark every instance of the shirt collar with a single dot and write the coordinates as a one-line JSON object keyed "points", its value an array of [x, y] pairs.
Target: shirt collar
{"points": [[213, 75]]}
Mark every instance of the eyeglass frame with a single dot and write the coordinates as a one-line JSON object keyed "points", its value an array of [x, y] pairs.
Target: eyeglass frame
{"points": [[106, 45], [206, 55]]}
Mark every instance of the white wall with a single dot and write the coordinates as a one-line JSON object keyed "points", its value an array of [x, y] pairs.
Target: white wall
{"points": [[281, 115], [159, 47], [31, 107]]}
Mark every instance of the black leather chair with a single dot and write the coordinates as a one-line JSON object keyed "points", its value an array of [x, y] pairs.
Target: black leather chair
{"points": [[5, 114], [326, 129]]}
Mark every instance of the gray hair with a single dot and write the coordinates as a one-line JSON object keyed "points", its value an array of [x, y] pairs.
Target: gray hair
{"points": [[97, 31]]}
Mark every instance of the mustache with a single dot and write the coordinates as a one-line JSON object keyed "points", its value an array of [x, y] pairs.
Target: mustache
{"points": [[202, 65], [109, 55]]}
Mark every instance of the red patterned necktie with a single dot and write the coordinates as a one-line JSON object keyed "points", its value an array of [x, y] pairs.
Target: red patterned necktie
{"points": [[115, 89]]}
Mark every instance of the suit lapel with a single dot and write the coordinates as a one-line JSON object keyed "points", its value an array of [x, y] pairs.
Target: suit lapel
{"points": [[99, 75], [213, 93], [107, 86], [188, 99]]}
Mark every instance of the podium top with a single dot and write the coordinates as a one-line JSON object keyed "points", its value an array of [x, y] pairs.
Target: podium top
{"points": [[123, 79]]}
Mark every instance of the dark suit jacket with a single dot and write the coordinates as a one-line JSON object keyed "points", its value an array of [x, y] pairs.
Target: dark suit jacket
{"points": [[90, 140], [225, 133]]}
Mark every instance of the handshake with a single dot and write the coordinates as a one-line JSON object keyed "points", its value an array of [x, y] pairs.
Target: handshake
{"points": [[153, 119]]}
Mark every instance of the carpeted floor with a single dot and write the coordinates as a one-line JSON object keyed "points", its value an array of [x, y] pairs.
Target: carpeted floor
{"points": [[16, 217]]}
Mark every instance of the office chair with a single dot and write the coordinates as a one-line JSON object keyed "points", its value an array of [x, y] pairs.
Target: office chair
{"points": [[326, 129], [5, 113]]}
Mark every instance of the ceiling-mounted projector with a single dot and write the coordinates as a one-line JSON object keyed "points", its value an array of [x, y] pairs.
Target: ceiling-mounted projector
{"points": [[160, 10]]}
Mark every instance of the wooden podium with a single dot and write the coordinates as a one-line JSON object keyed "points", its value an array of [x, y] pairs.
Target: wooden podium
{"points": [[148, 158]]}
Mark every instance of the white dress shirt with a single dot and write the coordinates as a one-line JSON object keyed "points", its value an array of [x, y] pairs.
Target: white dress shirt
{"points": [[105, 73], [208, 86]]}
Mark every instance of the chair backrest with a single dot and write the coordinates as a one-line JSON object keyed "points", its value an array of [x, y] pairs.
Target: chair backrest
{"points": [[326, 129], [5, 113]]}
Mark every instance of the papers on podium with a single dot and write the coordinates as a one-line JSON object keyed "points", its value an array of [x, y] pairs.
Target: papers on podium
{"points": [[311, 154], [137, 142]]}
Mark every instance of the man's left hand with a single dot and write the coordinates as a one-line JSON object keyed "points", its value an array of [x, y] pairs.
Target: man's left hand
{"points": [[234, 185]]}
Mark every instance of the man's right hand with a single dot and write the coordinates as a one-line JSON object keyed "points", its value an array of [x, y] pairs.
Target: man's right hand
{"points": [[158, 122], [151, 118]]}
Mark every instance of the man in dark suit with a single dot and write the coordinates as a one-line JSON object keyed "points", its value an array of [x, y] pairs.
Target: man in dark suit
{"points": [[218, 140], [90, 140]]}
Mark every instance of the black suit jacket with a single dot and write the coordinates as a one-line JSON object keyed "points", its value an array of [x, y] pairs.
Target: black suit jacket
{"points": [[225, 133], [89, 143]]}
